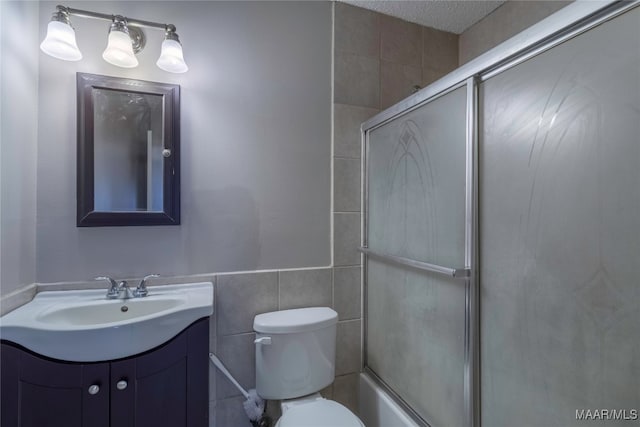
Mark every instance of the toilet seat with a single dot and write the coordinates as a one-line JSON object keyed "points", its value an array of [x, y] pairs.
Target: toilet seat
{"points": [[319, 413]]}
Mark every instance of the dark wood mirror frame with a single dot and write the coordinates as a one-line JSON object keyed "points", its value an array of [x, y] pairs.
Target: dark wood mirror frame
{"points": [[86, 215]]}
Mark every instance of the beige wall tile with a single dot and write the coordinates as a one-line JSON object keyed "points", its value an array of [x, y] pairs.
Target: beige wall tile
{"points": [[357, 80], [439, 49], [430, 75], [346, 240], [346, 391], [397, 82], [327, 392], [348, 347], [273, 411], [346, 292], [346, 129], [400, 41], [230, 413], [239, 297], [212, 413], [503, 23], [213, 372], [237, 353], [212, 333], [305, 288], [357, 30], [346, 185]]}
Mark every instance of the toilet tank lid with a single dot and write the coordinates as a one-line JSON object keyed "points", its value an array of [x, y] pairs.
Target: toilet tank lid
{"points": [[295, 320]]}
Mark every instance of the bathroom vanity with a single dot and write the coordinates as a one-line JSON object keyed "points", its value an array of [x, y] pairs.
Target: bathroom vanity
{"points": [[69, 359], [167, 386]]}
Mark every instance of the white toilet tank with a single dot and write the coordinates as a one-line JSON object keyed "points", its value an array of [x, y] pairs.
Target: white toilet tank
{"points": [[295, 351]]}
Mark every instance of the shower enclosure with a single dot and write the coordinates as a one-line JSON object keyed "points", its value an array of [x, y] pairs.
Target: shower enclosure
{"points": [[501, 232]]}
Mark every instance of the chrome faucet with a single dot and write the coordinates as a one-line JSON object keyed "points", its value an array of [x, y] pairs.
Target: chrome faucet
{"points": [[116, 290], [113, 291], [141, 290], [123, 287]]}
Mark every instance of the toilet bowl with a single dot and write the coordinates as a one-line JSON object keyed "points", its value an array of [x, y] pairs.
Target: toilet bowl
{"points": [[295, 359]]}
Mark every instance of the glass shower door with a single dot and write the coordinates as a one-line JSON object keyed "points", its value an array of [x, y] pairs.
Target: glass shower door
{"points": [[560, 221], [415, 316]]}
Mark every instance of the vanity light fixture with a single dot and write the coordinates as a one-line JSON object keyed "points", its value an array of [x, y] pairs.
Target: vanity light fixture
{"points": [[171, 59], [119, 49], [60, 41], [124, 41]]}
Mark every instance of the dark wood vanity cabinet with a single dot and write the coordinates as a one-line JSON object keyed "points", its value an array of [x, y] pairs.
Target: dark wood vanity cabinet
{"points": [[164, 387]]}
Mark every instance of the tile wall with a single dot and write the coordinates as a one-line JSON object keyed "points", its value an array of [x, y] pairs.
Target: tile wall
{"points": [[503, 23], [239, 297]]}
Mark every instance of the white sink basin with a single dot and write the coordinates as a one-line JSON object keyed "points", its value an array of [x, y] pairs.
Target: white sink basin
{"points": [[84, 326]]}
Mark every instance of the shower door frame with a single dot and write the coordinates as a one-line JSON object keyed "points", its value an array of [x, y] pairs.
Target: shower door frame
{"points": [[563, 25]]}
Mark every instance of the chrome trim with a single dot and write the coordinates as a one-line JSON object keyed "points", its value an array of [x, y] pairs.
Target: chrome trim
{"points": [[471, 395], [106, 17], [456, 273], [396, 397], [112, 292], [364, 241], [141, 290], [575, 14]]}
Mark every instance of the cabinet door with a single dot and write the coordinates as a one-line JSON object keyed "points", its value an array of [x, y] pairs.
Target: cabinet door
{"points": [[167, 386], [38, 392]]}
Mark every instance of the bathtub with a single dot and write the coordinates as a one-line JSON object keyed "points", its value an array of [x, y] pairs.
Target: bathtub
{"points": [[377, 409]]}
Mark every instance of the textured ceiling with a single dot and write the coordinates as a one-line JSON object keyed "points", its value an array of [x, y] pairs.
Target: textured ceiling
{"points": [[448, 15]]}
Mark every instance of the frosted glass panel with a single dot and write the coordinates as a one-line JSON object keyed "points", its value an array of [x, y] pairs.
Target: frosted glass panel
{"points": [[560, 232], [415, 339], [415, 319], [417, 183]]}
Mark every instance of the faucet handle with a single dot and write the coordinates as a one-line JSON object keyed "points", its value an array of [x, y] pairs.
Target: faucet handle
{"points": [[113, 289], [141, 290]]}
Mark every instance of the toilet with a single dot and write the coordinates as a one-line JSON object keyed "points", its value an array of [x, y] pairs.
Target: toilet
{"points": [[295, 359]]}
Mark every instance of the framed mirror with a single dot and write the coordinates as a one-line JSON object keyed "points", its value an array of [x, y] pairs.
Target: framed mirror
{"points": [[128, 160]]}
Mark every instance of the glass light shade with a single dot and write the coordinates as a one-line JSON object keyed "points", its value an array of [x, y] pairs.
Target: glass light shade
{"points": [[171, 58], [60, 42], [119, 50]]}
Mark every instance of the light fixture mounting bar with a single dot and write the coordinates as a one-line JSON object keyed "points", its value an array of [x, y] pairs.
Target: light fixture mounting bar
{"points": [[104, 16]]}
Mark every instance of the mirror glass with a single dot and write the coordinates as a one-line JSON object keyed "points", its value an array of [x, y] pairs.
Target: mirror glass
{"points": [[128, 140], [128, 152]]}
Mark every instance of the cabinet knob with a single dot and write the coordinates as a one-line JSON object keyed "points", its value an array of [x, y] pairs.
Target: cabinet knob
{"points": [[166, 153], [121, 385], [94, 389]]}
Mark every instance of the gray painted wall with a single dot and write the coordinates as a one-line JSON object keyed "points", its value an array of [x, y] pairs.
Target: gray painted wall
{"points": [[256, 123], [18, 118]]}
